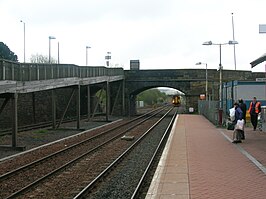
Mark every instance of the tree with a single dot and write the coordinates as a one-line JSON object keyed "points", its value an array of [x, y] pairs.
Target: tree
{"points": [[41, 59], [6, 53], [152, 96]]}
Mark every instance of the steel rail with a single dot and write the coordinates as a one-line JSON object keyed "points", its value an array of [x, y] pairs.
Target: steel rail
{"points": [[82, 193], [29, 186], [160, 145], [10, 173]]}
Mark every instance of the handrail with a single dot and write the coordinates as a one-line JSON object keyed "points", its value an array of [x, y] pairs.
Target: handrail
{"points": [[17, 71]]}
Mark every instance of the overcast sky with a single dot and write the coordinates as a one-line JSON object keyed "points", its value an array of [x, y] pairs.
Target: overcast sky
{"points": [[160, 33]]}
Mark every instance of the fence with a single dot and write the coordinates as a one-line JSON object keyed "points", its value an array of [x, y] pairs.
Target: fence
{"points": [[210, 109], [30, 71]]}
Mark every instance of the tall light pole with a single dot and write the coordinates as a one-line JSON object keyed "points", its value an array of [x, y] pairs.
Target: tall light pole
{"points": [[233, 27], [262, 30], [206, 77], [87, 47], [50, 38], [208, 43], [24, 39]]}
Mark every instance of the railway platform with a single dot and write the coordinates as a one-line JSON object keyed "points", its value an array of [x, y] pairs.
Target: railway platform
{"points": [[200, 161]]}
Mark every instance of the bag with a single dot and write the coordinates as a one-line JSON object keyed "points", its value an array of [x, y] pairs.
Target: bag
{"points": [[240, 125], [230, 126], [232, 112]]}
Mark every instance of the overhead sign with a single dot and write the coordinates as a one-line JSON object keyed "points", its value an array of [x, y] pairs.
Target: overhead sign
{"points": [[262, 28]]}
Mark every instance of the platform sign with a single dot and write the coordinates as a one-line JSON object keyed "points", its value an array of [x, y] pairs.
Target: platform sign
{"points": [[262, 28]]}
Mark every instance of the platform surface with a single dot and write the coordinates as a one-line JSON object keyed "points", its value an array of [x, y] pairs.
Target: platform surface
{"points": [[200, 162]]}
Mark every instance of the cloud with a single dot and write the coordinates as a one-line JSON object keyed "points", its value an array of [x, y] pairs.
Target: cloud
{"points": [[159, 33]]}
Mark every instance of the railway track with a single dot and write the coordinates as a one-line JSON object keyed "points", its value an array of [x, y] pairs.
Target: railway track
{"points": [[126, 177], [21, 181]]}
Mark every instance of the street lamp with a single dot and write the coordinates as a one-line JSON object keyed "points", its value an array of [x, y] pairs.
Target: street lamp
{"points": [[233, 28], [208, 43], [50, 38], [87, 47], [206, 85], [24, 38]]}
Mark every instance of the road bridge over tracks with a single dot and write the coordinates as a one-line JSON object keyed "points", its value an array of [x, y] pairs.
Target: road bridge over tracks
{"points": [[192, 82]]}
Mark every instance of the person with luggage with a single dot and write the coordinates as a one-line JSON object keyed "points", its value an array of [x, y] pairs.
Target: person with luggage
{"points": [[243, 108], [254, 110], [238, 116]]}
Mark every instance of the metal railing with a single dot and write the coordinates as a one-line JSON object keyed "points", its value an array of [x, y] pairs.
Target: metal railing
{"points": [[31, 71], [210, 110]]}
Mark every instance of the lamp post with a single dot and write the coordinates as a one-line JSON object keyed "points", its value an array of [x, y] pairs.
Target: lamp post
{"points": [[262, 30], [206, 77], [24, 39], [233, 28], [87, 47], [50, 38], [208, 43]]}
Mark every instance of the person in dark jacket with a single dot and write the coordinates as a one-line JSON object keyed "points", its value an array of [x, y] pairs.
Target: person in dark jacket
{"points": [[243, 108], [238, 116]]}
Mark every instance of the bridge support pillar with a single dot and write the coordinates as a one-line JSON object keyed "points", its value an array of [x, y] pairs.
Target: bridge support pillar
{"points": [[78, 107], [132, 105], [53, 109], [107, 101], [88, 102], [14, 101], [123, 98]]}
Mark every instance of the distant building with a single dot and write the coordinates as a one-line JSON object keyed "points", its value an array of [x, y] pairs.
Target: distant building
{"points": [[134, 64]]}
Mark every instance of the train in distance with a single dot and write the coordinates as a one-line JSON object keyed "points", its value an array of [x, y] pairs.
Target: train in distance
{"points": [[176, 100]]}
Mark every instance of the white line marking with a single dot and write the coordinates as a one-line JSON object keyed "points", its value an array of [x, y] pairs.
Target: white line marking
{"points": [[245, 153]]}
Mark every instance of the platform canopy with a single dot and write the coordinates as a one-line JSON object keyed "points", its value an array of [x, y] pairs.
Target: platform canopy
{"points": [[258, 60]]}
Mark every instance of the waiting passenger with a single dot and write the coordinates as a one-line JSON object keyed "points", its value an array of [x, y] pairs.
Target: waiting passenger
{"points": [[238, 116], [254, 110]]}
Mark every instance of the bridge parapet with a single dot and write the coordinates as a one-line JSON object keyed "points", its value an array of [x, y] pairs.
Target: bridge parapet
{"points": [[16, 71], [191, 74]]}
